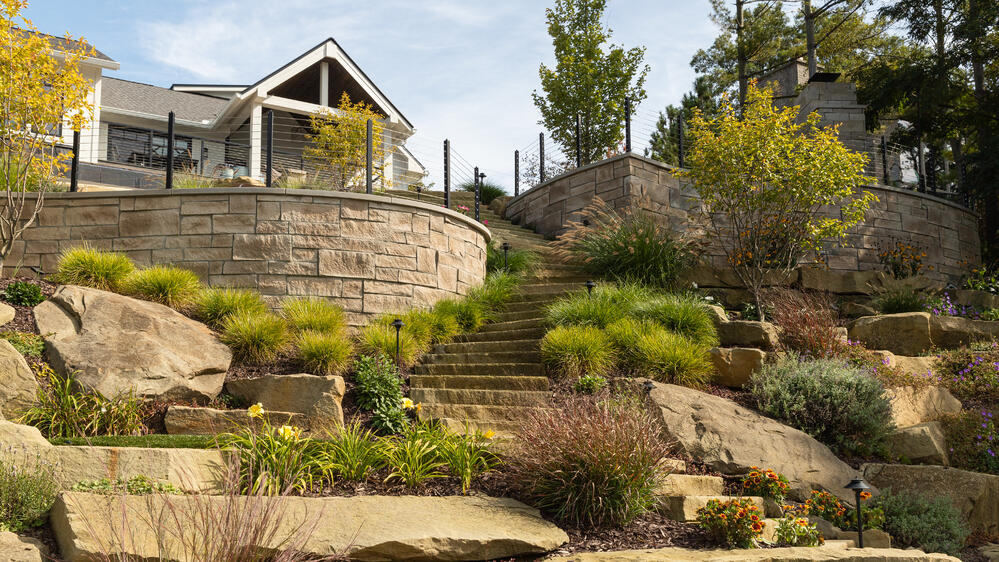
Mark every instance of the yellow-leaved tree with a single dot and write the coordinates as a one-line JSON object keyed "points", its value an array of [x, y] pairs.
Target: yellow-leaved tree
{"points": [[763, 180], [338, 143], [41, 90]]}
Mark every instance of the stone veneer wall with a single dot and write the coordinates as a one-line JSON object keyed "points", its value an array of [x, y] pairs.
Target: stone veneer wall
{"points": [[946, 231], [369, 253]]}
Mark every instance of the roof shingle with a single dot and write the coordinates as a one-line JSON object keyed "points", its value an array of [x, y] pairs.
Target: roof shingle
{"points": [[154, 100]]}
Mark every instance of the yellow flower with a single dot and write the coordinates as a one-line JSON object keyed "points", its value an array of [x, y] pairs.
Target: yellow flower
{"points": [[407, 404], [256, 410], [489, 434], [419, 407], [289, 432]]}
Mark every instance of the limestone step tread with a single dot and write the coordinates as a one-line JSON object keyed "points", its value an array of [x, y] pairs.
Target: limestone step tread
{"points": [[500, 429], [490, 357], [471, 396], [691, 485], [514, 324], [551, 288], [475, 412], [684, 508], [488, 346], [520, 369], [538, 306], [480, 382], [504, 335]]}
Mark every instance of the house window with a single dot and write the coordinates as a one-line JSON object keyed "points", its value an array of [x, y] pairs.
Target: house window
{"points": [[147, 148]]}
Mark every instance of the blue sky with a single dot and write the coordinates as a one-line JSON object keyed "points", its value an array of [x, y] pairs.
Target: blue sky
{"points": [[458, 69]]}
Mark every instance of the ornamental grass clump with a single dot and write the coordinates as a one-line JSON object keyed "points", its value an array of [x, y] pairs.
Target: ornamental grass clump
{"points": [[254, 336], [313, 314], [378, 339], [487, 191], [834, 402], [574, 351], [469, 314], [686, 315], [90, 267], [671, 358], [607, 304], [589, 463], [324, 353], [807, 321], [624, 335], [173, 286], [215, 304], [516, 262]]}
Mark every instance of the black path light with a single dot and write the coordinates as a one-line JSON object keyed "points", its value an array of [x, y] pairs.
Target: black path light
{"points": [[859, 487], [397, 324], [506, 260], [589, 288]]}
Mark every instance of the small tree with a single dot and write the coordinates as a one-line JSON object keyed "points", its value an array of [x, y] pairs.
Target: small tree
{"points": [[41, 89], [338, 143], [763, 181]]}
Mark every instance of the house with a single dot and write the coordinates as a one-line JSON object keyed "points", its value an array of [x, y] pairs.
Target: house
{"points": [[221, 130]]}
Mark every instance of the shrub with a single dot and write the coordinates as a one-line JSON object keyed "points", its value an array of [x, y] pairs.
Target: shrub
{"points": [[378, 339], [316, 315], [797, 531], [589, 384], [272, 460], [95, 268], [589, 463], [765, 484], [920, 521], [352, 452], [973, 439], [900, 298], [972, 372], [836, 403], [828, 507], [487, 191], [138, 485], [27, 491], [683, 314], [736, 522], [672, 358], [254, 336], [807, 323], [324, 353], [574, 351], [62, 411], [26, 343], [379, 390], [214, 305], [518, 262], [469, 314], [172, 286], [22, 293], [630, 247]]}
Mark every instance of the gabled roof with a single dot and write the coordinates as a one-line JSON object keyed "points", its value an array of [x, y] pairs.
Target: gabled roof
{"points": [[146, 99], [65, 45]]}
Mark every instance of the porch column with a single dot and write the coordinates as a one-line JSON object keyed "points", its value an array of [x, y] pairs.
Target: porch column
{"points": [[256, 138], [324, 84]]}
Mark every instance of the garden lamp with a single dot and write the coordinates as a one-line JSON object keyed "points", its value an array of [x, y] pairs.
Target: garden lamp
{"points": [[859, 486], [397, 324], [589, 287], [506, 261]]}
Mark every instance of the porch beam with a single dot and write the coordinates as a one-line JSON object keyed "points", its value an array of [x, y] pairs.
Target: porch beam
{"points": [[256, 139], [324, 83]]}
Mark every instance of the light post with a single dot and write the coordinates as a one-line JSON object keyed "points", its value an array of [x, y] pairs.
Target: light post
{"points": [[506, 260], [397, 324], [859, 487], [589, 288]]}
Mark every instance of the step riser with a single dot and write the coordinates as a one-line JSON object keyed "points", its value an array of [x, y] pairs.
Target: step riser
{"points": [[512, 398], [473, 412], [515, 369], [515, 324], [495, 357], [472, 382], [488, 347], [506, 335]]}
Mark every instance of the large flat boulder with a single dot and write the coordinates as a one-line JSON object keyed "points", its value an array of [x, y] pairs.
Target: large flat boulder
{"points": [[363, 527], [17, 436], [976, 495], [113, 344], [18, 386], [730, 439], [187, 420], [912, 333], [734, 365], [748, 333], [14, 548], [913, 405], [925, 443], [318, 398], [787, 554]]}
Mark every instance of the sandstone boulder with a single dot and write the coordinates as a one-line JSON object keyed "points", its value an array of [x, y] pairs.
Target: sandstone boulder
{"points": [[748, 333], [912, 405], [14, 548], [990, 552], [185, 420], [731, 439], [112, 343], [925, 443], [978, 299], [839, 282], [949, 332], [856, 309], [903, 334], [7, 313], [18, 387], [239, 181], [20, 436], [362, 527], [734, 365], [318, 398], [976, 495], [918, 366], [827, 553]]}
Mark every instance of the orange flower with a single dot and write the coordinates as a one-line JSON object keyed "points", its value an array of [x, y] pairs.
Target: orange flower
{"points": [[865, 495]]}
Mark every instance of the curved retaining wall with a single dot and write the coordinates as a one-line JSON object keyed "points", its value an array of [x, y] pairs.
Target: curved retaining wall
{"points": [[369, 253], [946, 231]]}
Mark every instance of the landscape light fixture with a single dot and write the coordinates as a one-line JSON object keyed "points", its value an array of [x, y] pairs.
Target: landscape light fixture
{"points": [[397, 324], [589, 288], [859, 486], [506, 260]]}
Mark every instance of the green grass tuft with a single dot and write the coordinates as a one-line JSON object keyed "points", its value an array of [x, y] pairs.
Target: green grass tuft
{"points": [[318, 315], [574, 351], [671, 358], [214, 305], [682, 314], [254, 336], [175, 287], [90, 267], [378, 339], [324, 353]]}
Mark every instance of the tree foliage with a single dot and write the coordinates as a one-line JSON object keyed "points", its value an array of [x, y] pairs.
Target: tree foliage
{"points": [[763, 180], [41, 90], [591, 79], [664, 141], [338, 142]]}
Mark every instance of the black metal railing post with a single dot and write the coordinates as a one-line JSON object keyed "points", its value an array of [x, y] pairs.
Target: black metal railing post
{"points": [[478, 190], [447, 174], [884, 160], [368, 159], [169, 150], [270, 148], [679, 139], [74, 170], [579, 145], [516, 173], [541, 157], [627, 124]]}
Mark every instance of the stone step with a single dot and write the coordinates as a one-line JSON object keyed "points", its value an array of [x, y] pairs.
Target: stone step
{"points": [[538, 305], [504, 335], [518, 369], [684, 508], [550, 288], [514, 398], [500, 429], [513, 324], [675, 485], [479, 382], [491, 357], [475, 412], [487, 346]]}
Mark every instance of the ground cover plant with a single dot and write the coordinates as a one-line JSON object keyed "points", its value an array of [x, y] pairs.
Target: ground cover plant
{"points": [[923, 522], [736, 523], [973, 440], [138, 485], [23, 293], [27, 490], [834, 402], [971, 373]]}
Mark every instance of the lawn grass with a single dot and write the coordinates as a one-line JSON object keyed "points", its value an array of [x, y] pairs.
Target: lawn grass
{"points": [[154, 441]]}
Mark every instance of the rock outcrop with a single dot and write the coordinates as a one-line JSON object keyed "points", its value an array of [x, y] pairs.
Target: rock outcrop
{"points": [[735, 365], [912, 333], [924, 443], [18, 386], [185, 420], [318, 398], [911, 405], [14, 548]]}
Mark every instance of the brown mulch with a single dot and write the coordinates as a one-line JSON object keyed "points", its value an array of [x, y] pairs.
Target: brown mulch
{"points": [[652, 530], [46, 536], [24, 318]]}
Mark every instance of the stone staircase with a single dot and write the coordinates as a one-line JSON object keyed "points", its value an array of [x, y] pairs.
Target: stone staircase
{"points": [[490, 379]]}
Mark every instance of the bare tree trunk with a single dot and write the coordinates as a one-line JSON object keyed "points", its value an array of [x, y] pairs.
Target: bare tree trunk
{"points": [[813, 65], [740, 29]]}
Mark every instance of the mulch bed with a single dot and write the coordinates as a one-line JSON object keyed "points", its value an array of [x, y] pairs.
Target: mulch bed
{"points": [[652, 530], [24, 319]]}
